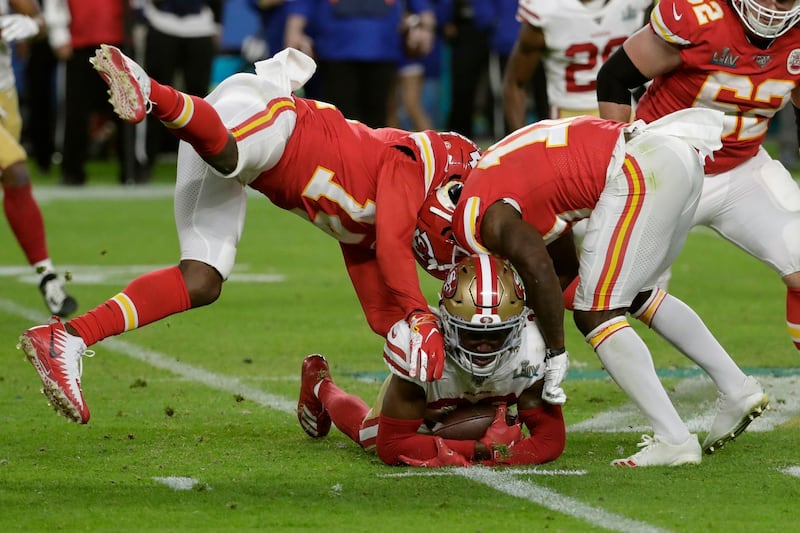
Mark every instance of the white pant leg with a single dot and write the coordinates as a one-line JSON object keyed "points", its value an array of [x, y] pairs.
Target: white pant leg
{"points": [[756, 206], [633, 236], [209, 212]]}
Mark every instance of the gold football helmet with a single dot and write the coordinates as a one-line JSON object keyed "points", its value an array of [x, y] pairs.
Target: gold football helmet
{"points": [[482, 311]]}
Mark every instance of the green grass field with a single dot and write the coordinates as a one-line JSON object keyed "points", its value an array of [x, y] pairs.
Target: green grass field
{"points": [[193, 424]]}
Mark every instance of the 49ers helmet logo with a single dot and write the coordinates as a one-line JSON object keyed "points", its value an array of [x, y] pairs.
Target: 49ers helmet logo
{"points": [[450, 284]]}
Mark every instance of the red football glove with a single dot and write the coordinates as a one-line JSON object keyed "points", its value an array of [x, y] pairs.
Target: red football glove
{"points": [[499, 434], [444, 457], [427, 346]]}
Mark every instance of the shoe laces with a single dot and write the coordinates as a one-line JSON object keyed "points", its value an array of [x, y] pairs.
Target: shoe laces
{"points": [[647, 441], [81, 355]]}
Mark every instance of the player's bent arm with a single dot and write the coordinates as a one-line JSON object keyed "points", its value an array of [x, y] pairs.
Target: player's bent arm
{"points": [[545, 422], [505, 233], [395, 221], [402, 412], [524, 58], [643, 56], [379, 307]]}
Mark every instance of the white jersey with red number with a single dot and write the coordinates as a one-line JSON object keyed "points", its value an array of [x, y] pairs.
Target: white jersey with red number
{"points": [[722, 70], [580, 37], [518, 371]]}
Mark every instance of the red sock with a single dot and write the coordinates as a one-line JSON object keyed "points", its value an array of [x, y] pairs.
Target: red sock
{"points": [[146, 299], [347, 411], [793, 315], [190, 118], [569, 294], [26, 221]]}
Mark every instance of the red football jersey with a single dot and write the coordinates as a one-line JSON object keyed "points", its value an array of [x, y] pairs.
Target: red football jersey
{"points": [[335, 172], [554, 170], [722, 70]]}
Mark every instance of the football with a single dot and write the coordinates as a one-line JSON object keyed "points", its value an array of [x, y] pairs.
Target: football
{"points": [[465, 423]]}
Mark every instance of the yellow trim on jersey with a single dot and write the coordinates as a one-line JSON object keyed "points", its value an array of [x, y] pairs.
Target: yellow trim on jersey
{"points": [[428, 159], [471, 210], [185, 116], [128, 310]]}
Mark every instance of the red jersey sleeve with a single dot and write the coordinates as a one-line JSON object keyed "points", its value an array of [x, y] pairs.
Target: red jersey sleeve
{"points": [[401, 191]]}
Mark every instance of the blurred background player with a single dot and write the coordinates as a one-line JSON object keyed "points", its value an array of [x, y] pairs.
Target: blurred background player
{"points": [[251, 131], [75, 28], [495, 354], [741, 58], [572, 39], [357, 46], [181, 42], [19, 205]]}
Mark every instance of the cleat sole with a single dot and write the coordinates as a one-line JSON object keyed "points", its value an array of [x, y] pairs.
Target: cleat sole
{"points": [[757, 411]]}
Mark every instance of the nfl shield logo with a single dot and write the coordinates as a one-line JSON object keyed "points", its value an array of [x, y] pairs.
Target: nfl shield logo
{"points": [[793, 62]]}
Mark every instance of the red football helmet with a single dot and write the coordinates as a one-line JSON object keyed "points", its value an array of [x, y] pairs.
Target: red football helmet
{"points": [[462, 155], [434, 246]]}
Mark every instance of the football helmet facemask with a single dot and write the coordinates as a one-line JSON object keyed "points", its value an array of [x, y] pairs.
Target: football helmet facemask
{"points": [[482, 308], [435, 248], [765, 22]]}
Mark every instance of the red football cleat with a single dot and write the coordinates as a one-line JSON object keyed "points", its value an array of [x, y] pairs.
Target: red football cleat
{"points": [[313, 417], [128, 83], [56, 356]]}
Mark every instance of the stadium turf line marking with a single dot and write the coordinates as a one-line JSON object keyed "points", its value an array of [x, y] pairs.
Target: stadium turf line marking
{"points": [[791, 470], [122, 274], [164, 362], [533, 471], [544, 497], [179, 483]]}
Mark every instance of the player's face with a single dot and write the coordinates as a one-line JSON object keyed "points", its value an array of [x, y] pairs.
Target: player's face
{"points": [[479, 342], [777, 5]]}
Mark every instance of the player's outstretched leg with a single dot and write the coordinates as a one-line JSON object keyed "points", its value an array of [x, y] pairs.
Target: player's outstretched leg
{"points": [[56, 355], [313, 417], [734, 414], [128, 83]]}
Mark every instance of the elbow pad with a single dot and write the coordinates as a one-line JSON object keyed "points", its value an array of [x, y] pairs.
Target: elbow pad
{"points": [[617, 77]]}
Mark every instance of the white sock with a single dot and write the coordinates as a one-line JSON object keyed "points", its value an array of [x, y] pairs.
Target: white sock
{"points": [[628, 361], [42, 268], [682, 327]]}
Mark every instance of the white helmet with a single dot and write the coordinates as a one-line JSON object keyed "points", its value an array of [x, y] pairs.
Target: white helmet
{"points": [[483, 312], [765, 22]]}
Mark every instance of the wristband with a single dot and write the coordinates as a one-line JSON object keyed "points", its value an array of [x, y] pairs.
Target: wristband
{"points": [[548, 353]]}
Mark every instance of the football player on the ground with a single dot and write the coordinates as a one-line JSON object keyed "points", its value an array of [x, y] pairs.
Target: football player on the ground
{"points": [[742, 58], [636, 185], [19, 204], [572, 39], [495, 354], [362, 186]]}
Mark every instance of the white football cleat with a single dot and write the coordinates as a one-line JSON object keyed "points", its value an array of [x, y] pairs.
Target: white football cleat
{"points": [[656, 452], [128, 83], [734, 414]]}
